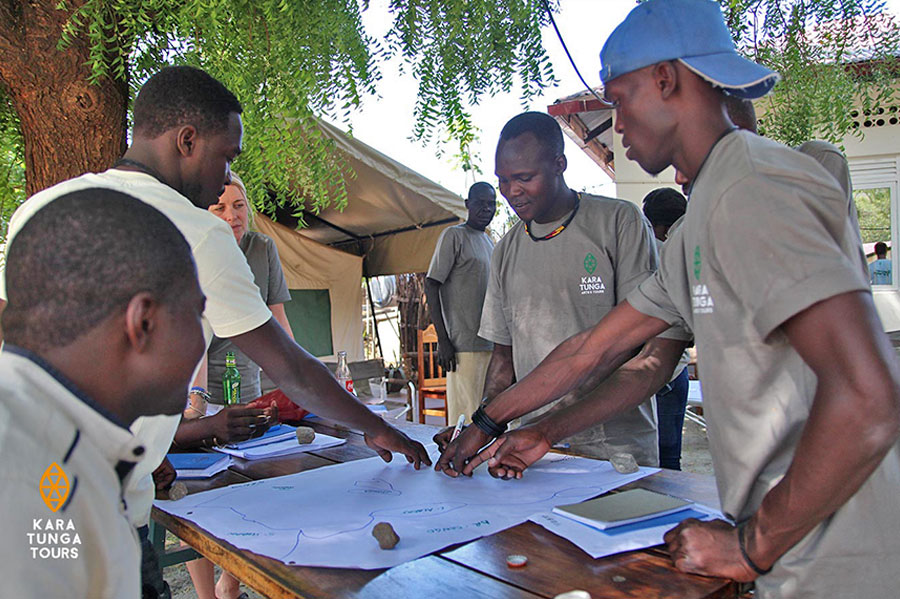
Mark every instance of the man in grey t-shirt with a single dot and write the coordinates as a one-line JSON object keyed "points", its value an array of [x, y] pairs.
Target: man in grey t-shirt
{"points": [[801, 386], [455, 285], [567, 263]]}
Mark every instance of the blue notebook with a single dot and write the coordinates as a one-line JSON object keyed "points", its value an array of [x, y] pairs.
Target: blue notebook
{"points": [[194, 461], [198, 465], [276, 433]]}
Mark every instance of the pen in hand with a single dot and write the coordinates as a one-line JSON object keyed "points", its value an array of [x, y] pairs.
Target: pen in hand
{"points": [[459, 426]]}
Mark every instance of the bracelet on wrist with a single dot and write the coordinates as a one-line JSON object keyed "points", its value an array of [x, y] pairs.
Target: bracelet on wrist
{"points": [[486, 424], [201, 392], [196, 411], [742, 545]]}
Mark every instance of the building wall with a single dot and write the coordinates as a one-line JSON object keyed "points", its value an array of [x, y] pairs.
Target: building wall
{"points": [[875, 162]]}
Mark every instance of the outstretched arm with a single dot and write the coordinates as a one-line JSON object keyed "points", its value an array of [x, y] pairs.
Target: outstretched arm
{"points": [[627, 387], [309, 383], [500, 375], [590, 355], [281, 316], [853, 422]]}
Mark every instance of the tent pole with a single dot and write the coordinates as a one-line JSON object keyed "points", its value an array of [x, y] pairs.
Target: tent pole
{"points": [[374, 318]]}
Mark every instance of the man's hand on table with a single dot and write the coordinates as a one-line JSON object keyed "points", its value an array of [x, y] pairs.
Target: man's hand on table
{"points": [[512, 453], [389, 439], [163, 477], [443, 438], [455, 454], [234, 424], [708, 549]]}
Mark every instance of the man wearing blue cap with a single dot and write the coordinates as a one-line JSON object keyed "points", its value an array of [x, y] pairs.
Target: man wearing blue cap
{"points": [[801, 387]]}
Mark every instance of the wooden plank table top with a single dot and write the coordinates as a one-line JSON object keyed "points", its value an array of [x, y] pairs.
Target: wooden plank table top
{"points": [[474, 569]]}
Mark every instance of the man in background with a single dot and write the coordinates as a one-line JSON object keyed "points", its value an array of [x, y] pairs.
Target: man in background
{"points": [[663, 207], [454, 286], [880, 268]]}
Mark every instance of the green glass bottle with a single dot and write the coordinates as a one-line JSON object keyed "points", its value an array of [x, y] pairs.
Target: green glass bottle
{"points": [[231, 381]]}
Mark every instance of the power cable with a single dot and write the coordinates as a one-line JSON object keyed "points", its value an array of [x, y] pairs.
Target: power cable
{"points": [[571, 60]]}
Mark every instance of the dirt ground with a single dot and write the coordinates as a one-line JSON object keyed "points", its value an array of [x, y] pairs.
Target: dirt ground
{"points": [[694, 458]]}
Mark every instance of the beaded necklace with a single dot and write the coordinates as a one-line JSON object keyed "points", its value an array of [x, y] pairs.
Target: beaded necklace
{"points": [[561, 227]]}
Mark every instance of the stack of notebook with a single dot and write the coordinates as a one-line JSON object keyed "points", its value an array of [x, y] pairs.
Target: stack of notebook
{"points": [[276, 433], [279, 440]]}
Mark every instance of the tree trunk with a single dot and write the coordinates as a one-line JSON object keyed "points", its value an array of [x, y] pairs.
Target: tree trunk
{"points": [[69, 125]]}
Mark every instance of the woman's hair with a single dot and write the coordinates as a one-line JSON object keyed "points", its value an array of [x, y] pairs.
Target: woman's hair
{"points": [[236, 181]]}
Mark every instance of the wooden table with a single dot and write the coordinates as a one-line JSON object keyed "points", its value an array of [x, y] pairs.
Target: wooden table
{"points": [[474, 569]]}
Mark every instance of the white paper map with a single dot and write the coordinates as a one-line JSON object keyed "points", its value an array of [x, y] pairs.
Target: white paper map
{"points": [[324, 517]]}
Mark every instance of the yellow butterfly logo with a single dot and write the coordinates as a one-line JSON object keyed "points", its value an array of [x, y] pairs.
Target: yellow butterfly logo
{"points": [[54, 487]]}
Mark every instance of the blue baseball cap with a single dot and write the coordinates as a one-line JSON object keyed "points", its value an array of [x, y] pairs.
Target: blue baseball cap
{"points": [[692, 31]]}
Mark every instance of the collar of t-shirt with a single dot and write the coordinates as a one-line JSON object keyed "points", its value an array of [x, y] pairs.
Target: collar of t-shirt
{"points": [[113, 438], [723, 135]]}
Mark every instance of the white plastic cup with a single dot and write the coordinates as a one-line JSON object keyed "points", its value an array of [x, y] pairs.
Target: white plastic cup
{"points": [[377, 389]]}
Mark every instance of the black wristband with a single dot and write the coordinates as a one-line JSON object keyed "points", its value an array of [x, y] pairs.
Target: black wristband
{"points": [[743, 547], [487, 424]]}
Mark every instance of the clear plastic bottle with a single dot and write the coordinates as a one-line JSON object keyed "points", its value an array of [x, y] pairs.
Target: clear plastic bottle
{"points": [[343, 372]]}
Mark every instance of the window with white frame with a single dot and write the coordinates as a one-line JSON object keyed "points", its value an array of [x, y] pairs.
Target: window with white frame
{"points": [[875, 183]]}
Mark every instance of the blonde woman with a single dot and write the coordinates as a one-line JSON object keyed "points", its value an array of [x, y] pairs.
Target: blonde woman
{"points": [[262, 256]]}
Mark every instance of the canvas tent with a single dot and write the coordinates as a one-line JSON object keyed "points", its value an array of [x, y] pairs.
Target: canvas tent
{"points": [[393, 215], [390, 225], [326, 297]]}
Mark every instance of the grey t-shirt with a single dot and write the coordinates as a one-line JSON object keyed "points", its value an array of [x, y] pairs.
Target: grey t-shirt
{"points": [[262, 256], [834, 161], [541, 293], [461, 263], [766, 236]]}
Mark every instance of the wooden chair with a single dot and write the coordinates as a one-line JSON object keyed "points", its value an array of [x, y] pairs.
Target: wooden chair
{"points": [[432, 382]]}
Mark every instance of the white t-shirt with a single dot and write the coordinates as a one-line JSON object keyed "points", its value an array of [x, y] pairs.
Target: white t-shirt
{"points": [[43, 422], [233, 302]]}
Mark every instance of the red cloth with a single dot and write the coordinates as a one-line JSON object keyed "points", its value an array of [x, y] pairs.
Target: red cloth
{"points": [[288, 411]]}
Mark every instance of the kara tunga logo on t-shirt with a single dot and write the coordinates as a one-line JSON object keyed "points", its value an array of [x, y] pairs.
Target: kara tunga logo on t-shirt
{"points": [[54, 538], [591, 283], [701, 300]]}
